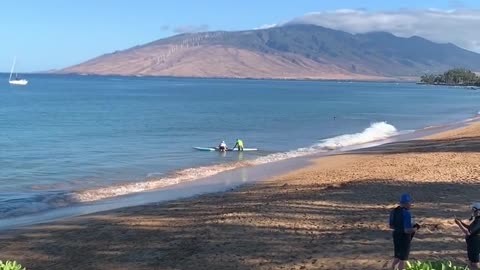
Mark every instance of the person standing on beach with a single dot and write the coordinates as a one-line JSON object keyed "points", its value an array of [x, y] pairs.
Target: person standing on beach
{"points": [[403, 231], [472, 236]]}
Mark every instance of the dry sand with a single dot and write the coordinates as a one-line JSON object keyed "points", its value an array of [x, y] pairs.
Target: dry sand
{"points": [[331, 215]]}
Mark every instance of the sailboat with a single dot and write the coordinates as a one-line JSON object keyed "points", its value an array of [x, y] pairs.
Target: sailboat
{"points": [[16, 80]]}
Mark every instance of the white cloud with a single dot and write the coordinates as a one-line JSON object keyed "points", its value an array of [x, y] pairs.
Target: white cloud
{"points": [[190, 28], [460, 27], [265, 26]]}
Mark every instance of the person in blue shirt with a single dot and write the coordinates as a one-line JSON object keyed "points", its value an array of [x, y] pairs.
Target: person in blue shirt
{"points": [[472, 236], [403, 230]]}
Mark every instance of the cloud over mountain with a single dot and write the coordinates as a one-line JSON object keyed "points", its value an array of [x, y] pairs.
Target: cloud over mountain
{"points": [[456, 26]]}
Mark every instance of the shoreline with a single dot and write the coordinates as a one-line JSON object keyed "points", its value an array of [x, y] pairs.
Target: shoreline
{"points": [[466, 86], [329, 214], [386, 80], [231, 178], [219, 182]]}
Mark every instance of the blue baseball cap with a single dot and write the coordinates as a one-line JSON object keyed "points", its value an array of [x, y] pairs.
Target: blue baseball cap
{"points": [[405, 198]]}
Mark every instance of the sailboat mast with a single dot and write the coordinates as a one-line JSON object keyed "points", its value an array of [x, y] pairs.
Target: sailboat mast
{"points": [[13, 66]]}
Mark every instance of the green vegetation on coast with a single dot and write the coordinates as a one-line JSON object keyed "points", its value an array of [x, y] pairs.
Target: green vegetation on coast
{"points": [[448, 265], [457, 76], [11, 265]]}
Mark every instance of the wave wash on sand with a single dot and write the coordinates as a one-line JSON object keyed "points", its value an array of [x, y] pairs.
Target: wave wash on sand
{"points": [[376, 132]]}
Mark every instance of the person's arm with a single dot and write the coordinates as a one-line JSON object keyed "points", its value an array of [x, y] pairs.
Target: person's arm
{"points": [[462, 226], [407, 222]]}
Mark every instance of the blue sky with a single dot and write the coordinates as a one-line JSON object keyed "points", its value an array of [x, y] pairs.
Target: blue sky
{"points": [[53, 34]]}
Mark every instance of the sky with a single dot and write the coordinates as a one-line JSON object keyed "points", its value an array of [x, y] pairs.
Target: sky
{"points": [[53, 34]]}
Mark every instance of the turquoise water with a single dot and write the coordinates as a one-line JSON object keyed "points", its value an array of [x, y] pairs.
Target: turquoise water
{"points": [[71, 139]]}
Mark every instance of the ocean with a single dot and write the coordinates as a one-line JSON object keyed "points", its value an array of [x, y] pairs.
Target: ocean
{"points": [[71, 140]]}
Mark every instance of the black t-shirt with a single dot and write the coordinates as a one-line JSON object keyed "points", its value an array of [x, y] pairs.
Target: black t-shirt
{"points": [[400, 219], [474, 228]]}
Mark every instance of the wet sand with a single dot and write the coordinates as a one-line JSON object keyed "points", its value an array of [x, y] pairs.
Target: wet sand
{"points": [[330, 215]]}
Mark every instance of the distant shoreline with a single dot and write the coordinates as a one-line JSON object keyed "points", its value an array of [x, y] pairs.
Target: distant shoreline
{"points": [[385, 80], [470, 86]]}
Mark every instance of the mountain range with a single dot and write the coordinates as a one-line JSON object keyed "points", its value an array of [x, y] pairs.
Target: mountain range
{"points": [[288, 52]]}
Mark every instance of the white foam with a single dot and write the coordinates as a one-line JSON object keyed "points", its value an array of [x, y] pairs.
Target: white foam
{"points": [[129, 188], [376, 132]]}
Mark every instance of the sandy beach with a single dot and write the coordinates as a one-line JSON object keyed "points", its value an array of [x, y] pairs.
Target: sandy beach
{"points": [[330, 215]]}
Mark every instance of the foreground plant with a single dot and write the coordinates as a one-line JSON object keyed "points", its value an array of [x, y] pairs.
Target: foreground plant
{"points": [[448, 265], [9, 265]]}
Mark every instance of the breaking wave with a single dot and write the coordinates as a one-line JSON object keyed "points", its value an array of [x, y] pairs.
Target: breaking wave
{"points": [[376, 132]]}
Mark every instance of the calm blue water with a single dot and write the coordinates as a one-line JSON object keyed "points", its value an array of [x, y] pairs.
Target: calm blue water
{"points": [[62, 134]]}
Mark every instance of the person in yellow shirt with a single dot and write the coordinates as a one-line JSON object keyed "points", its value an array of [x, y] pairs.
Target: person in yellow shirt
{"points": [[239, 145]]}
